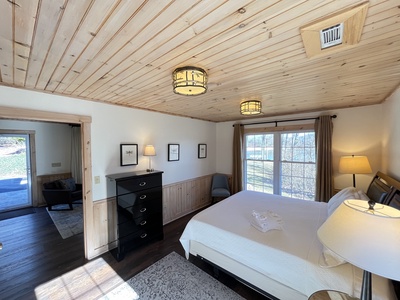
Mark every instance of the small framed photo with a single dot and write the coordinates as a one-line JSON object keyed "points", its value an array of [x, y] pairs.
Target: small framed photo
{"points": [[129, 154], [173, 152], [202, 153]]}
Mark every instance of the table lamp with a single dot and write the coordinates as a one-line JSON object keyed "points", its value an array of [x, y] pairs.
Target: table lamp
{"points": [[149, 151], [367, 235], [354, 165]]}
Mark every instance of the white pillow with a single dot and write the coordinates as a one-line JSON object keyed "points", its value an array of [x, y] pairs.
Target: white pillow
{"points": [[363, 196], [329, 259], [337, 199]]}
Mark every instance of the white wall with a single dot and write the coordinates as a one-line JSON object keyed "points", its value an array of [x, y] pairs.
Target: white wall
{"points": [[356, 131], [391, 135], [53, 144], [113, 125]]}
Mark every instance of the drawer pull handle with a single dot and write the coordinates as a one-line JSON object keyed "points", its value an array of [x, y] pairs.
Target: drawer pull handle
{"points": [[143, 235], [143, 209], [142, 183], [143, 223], [143, 197]]}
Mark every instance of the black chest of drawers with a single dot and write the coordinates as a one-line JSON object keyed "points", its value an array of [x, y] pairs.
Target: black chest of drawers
{"points": [[139, 209]]}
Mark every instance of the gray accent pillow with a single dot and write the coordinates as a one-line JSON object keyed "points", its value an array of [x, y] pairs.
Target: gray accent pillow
{"points": [[67, 184]]}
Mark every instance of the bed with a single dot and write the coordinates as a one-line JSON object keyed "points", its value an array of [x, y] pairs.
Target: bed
{"points": [[289, 263]]}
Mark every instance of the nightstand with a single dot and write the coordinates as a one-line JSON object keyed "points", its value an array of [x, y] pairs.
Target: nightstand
{"points": [[330, 295]]}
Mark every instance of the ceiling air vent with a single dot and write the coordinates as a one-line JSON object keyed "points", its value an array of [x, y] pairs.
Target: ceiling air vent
{"points": [[331, 36], [335, 32]]}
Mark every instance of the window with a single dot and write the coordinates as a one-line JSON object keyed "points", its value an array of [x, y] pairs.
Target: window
{"points": [[281, 163]]}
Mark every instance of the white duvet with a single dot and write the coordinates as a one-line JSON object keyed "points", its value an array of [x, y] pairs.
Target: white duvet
{"points": [[290, 256]]}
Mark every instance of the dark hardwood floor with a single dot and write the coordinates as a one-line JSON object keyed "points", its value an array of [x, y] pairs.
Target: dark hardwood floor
{"points": [[34, 254]]}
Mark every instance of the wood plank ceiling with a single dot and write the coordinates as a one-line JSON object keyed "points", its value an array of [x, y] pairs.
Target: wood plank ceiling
{"points": [[123, 52]]}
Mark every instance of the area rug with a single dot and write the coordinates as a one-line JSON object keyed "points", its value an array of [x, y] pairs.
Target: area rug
{"points": [[172, 277], [68, 222]]}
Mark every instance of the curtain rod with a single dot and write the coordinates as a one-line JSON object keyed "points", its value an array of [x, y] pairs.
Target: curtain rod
{"points": [[283, 121]]}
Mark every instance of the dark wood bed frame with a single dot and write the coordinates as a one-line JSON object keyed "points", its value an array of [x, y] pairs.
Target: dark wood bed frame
{"points": [[384, 189]]}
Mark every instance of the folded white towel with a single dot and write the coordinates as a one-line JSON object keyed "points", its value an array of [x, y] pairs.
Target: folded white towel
{"points": [[265, 221]]}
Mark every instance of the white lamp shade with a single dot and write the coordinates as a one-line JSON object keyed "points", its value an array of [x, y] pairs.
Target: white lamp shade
{"points": [[354, 165], [149, 150], [367, 239]]}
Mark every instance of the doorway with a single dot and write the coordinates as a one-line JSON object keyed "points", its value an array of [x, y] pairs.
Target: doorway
{"points": [[85, 122], [15, 171]]}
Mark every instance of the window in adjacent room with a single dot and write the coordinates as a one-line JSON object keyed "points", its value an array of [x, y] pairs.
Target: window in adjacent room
{"points": [[281, 163]]}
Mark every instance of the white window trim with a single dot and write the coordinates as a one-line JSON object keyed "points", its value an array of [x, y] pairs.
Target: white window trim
{"points": [[303, 127], [272, 129]]}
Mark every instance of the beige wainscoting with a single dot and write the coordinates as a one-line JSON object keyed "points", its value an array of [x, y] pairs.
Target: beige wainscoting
{"points": [[105, 226], [179, 199], [184, 197]]}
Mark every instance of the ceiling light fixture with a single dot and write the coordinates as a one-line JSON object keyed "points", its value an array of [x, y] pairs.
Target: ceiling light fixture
{"points": [[250, 107], [189, 81]]}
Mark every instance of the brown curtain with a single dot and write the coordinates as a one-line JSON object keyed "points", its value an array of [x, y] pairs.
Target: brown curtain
{"points": [[237, 172], [323, 142]]}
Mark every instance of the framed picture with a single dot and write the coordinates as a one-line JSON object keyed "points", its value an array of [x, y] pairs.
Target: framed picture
{"points": [[202, 151], [129, 154], [173, 152]]}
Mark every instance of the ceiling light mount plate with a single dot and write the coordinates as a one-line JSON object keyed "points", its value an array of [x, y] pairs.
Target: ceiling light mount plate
{"points": [[189, 81]]}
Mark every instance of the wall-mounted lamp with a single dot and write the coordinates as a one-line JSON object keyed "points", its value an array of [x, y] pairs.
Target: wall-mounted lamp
{"points": [[354, 165], [189, 81], [149, 151], [250, 107]]}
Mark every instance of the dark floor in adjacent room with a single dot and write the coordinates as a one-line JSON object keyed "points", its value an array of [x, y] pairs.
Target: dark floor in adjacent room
{"points": [[34, 253]]}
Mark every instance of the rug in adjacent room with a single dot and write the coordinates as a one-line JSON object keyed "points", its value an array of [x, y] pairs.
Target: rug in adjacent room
{"points": [[172, 277], [68, 222]]}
